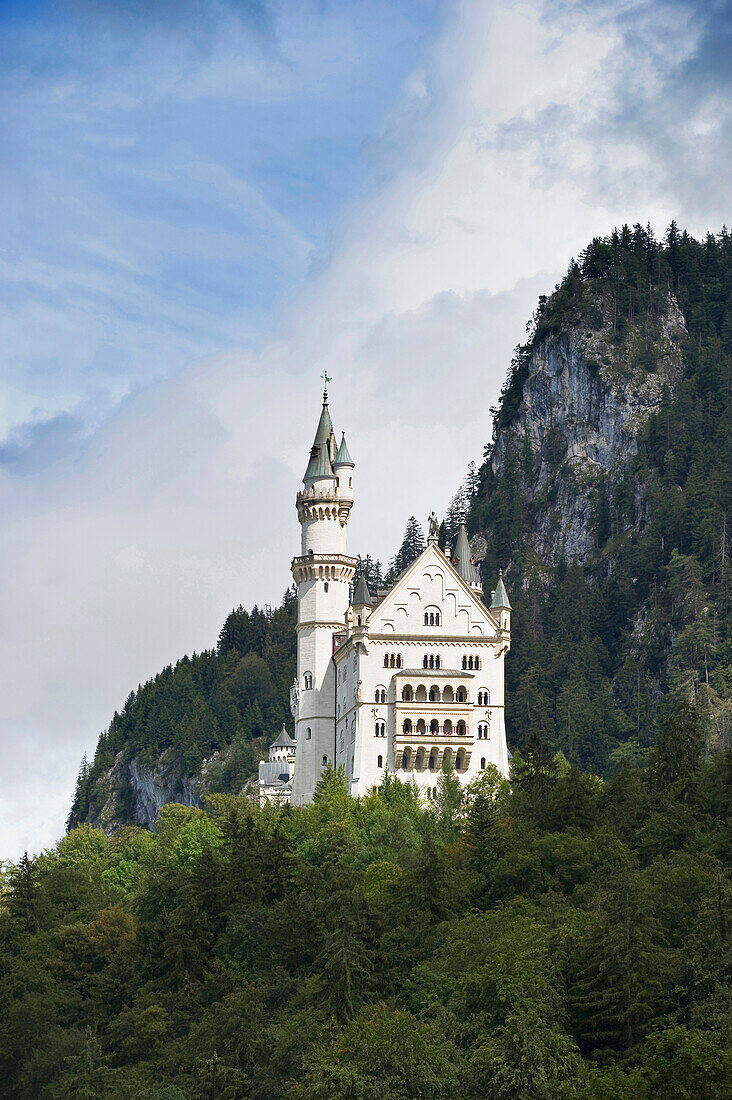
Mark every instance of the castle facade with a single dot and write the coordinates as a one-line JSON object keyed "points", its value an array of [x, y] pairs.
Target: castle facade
{"points": [[401, 679]]}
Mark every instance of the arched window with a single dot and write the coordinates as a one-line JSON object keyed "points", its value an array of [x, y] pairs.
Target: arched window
{"points": [[482, 763], [477, 662], [308, 680], [405, 761], [465, 662], [407, 726], [433, 762], [460, 695], [434, 726], [426, 619], [421, 729], [325, 587], [461, 728], [434, 695], [447, 727], [308, 733], [432, 661], [386, 660], [470, 662], [399, 660], [407, 693], [425, 661], [460, 761], [325, 760], [437, 662], [379, 761]]}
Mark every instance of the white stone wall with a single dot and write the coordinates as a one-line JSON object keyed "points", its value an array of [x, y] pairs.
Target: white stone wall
{"points": [[466, 629]]}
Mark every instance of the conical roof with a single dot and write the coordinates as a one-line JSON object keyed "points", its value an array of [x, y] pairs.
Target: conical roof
{"points": [[362, 594], [343, 458], [463, 558], [500, 596], [320, 464], [284, 741]]}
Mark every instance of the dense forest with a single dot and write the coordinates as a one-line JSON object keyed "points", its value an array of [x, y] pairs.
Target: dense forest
{"points": [[551, 936], [605, 647]]}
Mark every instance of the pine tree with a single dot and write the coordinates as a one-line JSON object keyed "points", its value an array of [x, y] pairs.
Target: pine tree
{"points": [[22, 898], [412, 546]]}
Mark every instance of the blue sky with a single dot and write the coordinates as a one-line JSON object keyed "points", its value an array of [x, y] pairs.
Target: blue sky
{"points": [[207, 204], [171, 171]]}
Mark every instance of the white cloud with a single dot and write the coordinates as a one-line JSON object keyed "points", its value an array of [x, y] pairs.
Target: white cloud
{"points": [[131, 550]]}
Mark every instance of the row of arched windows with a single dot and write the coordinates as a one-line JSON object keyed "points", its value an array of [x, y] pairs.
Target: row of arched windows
{"points": [[380, 695], [431, 660], [471, 662], [432, 760], [420, 728], [307, 681], [392, 660], [484, 698], [434, 695], [380, 729], [432, 618], [484, 732]]}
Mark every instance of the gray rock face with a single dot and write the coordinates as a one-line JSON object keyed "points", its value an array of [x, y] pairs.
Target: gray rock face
{"points": [[154, 788], [582, 405]]}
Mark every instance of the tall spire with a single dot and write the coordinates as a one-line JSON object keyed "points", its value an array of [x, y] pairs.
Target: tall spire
{"points": [[463, 558], [322, 451]]}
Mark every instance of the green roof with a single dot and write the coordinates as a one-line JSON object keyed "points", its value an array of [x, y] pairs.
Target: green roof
{"points": [[319, 464], [362, 594], [500, 596], [343, 458], [462, 557]]}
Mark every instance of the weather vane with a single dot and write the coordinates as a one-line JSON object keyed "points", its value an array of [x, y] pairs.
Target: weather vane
{"points": [[327, 379]]}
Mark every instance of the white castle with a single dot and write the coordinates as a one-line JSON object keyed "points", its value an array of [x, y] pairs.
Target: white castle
{"points": [[401, 679]]}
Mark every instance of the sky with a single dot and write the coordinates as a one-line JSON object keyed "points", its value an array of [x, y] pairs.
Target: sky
{"points": [[208, 204]]}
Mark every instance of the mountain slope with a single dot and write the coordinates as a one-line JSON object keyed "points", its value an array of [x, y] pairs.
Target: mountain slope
{"points": [[607, 494]]}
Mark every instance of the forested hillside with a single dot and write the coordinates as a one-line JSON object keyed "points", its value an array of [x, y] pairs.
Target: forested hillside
{"points": [[606, 494], [198, 727], [551, 937]]}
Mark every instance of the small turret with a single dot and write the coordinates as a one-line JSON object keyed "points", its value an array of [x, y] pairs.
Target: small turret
{"points": [[343, 458], [501, 606]]}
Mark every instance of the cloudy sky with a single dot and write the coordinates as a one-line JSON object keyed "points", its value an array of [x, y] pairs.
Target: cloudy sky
{"points": [[206, 204]]}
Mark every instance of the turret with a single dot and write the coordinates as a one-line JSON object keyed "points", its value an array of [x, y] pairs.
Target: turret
{"points": [[361, 602], [501, 606], [322, 573]]}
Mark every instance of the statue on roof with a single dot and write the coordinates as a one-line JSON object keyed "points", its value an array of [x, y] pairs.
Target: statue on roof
{"points": [[434, 525]]}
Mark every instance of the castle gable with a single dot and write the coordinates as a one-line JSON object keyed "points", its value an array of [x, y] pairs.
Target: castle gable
{"points": [[431, 597]]}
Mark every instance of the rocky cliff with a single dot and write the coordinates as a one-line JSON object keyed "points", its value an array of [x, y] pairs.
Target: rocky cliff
{"points": [[585, 397], [606, 496]]}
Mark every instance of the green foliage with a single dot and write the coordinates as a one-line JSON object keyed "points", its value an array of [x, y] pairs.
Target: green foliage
{"points": [[549, 937]]}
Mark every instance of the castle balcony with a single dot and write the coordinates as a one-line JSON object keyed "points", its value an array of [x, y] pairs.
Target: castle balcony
{"points": [[420, 757], [334, 567]]}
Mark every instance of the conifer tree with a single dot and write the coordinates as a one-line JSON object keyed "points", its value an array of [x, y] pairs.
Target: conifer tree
{"points": [[412, 546]]}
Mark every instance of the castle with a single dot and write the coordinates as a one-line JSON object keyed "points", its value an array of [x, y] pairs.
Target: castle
{"points": [[401, 679]]}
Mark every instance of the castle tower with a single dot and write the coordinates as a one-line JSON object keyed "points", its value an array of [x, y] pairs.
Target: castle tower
{"points": [[322, 573]]}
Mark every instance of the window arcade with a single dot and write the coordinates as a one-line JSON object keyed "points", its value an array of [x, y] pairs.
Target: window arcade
{"points": [[471, 662], [392, 660]]}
